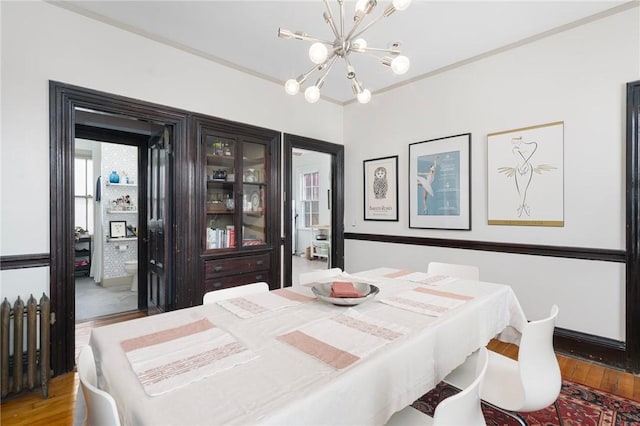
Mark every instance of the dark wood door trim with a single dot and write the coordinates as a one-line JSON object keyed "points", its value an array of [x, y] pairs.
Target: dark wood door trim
{"points": [[633, 227], [63, 100], [337, 197]]}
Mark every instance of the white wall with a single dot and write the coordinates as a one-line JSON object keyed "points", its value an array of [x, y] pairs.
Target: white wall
{"points": [[577, 76], [42, 42]]}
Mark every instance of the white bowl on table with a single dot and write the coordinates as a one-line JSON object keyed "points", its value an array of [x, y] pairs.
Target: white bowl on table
{"points": [[323, 292]]}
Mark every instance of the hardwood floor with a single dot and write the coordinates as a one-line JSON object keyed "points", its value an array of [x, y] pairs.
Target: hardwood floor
{"points": [[57, 410]]}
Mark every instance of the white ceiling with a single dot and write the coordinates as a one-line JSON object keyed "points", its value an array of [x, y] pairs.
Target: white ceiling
{"points": [[434, 34]]}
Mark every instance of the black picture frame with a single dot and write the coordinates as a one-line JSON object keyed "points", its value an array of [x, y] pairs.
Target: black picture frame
{"points": [[440, 183], [380, 188], [117, 229]]}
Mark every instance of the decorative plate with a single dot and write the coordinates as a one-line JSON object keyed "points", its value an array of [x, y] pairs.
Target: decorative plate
{"points": [[255, 200], [323, 290]]}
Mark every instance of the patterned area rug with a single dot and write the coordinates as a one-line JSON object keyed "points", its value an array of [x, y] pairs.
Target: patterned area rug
{"points": [[576, 405]]}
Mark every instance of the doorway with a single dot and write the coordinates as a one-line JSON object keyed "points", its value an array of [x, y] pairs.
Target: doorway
{"points": [[105, 196], [313, 222], [79, 113], [311, 210]]}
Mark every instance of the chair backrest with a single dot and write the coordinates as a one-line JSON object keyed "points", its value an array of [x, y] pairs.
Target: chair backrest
{"points": [[228, 293], [101, 407], [538, 365], [309, 277], [464, 407], [466, 272]]}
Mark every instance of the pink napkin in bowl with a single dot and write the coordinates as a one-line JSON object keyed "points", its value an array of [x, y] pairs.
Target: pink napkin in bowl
{"points": [[344, 289]]}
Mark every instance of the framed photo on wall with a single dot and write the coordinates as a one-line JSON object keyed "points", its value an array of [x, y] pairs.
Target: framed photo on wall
{"points": [[440, 183], [381, 189], [117, 228], [525, 176]]}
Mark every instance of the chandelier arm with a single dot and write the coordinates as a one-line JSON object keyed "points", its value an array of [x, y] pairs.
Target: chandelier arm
{"points": [[351, 71], [328, 17], [366, 27], [315, 39], [341, 3], [376, 49], [303, 77], [320, 81], [356, 24]]}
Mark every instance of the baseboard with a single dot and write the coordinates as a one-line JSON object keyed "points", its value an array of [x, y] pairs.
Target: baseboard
{"points": [[589, 347]]}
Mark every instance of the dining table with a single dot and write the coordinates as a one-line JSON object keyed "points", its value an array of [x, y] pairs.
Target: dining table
{"points": [[285, 357]]}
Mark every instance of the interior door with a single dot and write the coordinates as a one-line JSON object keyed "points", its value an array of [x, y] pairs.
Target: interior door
{"points": [[158, 224]]}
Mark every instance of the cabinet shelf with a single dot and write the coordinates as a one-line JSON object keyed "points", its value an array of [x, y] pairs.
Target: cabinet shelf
{"points": [[219, 211], [213, 159], [115, 240], [82, 256], [130, 185], [122, 211], [220, 183]]}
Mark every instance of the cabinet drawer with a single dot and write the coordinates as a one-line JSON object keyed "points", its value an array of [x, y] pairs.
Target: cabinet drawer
{"points": [[235, 280], [236, 265]]}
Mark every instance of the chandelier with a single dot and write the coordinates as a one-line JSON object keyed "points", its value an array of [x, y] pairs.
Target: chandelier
{"points": [[325, 53]]}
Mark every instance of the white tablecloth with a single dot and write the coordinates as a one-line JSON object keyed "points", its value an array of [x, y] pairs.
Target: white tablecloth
{"points": [[285, 386]]}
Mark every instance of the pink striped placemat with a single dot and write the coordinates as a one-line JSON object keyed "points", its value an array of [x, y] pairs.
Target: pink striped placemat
{"points": [[399, 273], [427, 301], [169, 359], [342, 340], [259, 303]]}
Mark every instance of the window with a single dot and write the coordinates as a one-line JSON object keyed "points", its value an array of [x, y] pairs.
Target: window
{"points": [[310, 199], [83, 191]]}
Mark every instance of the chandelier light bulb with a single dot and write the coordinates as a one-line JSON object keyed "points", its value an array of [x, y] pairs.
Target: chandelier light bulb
{"points": [[364, 7], [359, 44], [401, 4], [400, 65], [318, 53], [364, 96], [312, 94], [291, 86]]}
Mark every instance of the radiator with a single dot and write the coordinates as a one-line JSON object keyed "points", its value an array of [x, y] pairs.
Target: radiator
{"points": [[22, 324]]}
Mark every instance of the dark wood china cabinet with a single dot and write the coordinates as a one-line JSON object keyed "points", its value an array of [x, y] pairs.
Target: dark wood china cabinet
{"points": [[239, 185]]}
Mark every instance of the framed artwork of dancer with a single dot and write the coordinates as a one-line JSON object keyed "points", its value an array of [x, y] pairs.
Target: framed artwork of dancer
{"points": [[525, 176], [381, 189], [440, 183]]}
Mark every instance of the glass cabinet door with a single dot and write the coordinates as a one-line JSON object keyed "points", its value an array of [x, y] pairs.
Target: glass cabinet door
{"points": [[254, 188], [220, 192]]}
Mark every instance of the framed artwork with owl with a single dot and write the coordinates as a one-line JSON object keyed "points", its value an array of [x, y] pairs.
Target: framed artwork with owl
{"points": [[440, 183], [381, 189]]}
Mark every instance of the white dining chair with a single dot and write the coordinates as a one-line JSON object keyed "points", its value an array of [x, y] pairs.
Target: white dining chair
{"points": [[466, 272], [530, 383], [228, 293], [100, 406], [312, 276], [462, 408]]}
